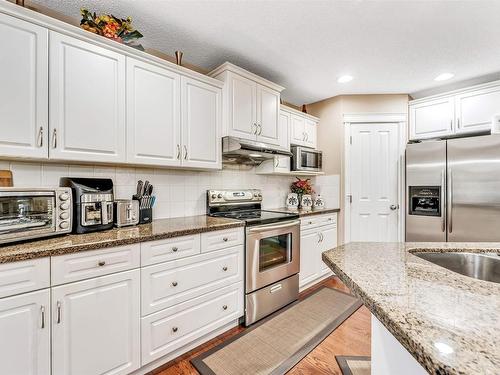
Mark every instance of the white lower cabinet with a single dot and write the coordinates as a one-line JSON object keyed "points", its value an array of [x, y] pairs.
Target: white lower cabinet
{"points": [[318, 234], [96, 326], [25, 334]]}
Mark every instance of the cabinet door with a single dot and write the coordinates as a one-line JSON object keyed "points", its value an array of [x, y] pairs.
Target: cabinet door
{"points": [[25, 334], [243, 108], [24, 89], [309, 248], [432, 119], [87, 101], [201, 124], [475, 109], [310, 128], [282, 164], [328, 242], [297, 127], [96, 325], [268, 109], [285, 129], [153, 114]]}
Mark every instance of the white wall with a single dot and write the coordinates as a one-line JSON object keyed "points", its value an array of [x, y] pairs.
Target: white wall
{"points": [[179, 193]]}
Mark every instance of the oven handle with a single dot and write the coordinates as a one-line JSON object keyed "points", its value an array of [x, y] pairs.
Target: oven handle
{"points": [[274, 226]]}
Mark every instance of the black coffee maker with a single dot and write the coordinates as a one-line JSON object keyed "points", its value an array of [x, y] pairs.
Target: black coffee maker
{"points": [[92, 203]]}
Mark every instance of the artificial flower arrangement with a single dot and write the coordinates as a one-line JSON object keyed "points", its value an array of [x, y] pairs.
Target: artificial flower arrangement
{"points": [[111, 27], [302, 186]]}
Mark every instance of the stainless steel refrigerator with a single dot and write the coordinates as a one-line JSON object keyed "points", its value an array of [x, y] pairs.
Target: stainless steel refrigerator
{"points": [[453, 190]]}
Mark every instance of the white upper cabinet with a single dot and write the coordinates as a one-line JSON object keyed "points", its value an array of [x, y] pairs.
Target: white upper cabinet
{"points": [[96, 325], [474, 110], [153, 114], [297, 127], [432, 119], [24, 89], [310, 129], [463, 111], [243, 107], [201, 107], [251, 105], [303, 128], [87, 101], [268, 109], [25, 334]]}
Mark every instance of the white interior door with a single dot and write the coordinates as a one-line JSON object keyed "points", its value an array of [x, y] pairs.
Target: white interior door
{"points": [[373, 173]]}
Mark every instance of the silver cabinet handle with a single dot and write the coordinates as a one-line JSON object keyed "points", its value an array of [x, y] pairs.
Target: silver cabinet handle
{"points": [[458, 123], [40, 137], [185, 152], [175, 329], [254, 131], [277, 162], [224, 268], [58, 319], [451, 124], [224, 307], [42, 317], [260, 128], [307, 137], [225, 239], [54, 138], [101, 263], [178, 151], [303, 136], [174, 283], [319, 237], [174, 249]]}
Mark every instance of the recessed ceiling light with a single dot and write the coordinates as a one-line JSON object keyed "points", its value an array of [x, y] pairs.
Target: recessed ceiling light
{"points": [[444, 76], [344, 79]]}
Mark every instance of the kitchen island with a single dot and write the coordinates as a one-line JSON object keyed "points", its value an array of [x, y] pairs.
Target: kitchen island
{"points": [[444, 322]]}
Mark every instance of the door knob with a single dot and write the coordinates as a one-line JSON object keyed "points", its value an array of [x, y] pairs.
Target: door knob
{"points": [[394, 207]]}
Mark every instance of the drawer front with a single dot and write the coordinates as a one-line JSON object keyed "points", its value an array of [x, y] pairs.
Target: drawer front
{"points": [[328, 219], [315, 221], [85, 265], [24, 276], [170, 329], [221, 239], [167, 284], [172, 248]]}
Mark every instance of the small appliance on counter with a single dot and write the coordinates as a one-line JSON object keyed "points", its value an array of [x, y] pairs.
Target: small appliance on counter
{"points": [[126, 212], [92, 203], [29, 213], [146, 201]]}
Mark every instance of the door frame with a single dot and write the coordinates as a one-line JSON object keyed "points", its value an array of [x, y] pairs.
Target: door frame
{"points": [[401, 120]]}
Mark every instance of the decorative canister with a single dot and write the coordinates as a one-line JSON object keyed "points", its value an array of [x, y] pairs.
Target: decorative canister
{"points": [[306, 202], [292, 201], [319, 202]]}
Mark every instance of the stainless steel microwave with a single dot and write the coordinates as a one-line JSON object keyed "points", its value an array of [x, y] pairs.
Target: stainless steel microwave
{"points": [[32, 213], [306, 159]]}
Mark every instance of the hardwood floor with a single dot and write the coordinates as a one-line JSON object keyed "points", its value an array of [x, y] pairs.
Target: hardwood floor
{"points": [[351, 338]]}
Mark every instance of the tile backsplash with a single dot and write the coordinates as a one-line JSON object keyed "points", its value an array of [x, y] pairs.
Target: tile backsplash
{"points": [[178, 192]]}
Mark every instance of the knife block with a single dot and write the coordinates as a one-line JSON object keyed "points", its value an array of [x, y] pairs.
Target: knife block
{"points": [[145, 215]]}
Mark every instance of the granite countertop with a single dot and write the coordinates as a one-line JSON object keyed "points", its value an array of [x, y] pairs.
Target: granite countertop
{"points": [[450, 323], [302, 212], [157, 230]]}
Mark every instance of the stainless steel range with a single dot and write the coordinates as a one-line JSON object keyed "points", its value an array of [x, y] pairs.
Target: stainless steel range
{"points": [[272, 250]]}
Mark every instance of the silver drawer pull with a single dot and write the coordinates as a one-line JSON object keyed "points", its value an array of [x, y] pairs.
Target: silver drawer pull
{"points": [[174, 283], [175, 329], [224, 268], [224, 307], [275, 288], [42, 317], [310, 222], [101, 263], [58, 319], [224, 239], [174, 249]]}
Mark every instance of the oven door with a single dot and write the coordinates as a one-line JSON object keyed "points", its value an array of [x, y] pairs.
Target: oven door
{"points": [[272, 253]]}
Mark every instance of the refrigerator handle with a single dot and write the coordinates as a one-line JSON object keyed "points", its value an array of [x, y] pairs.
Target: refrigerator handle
{"points": [[450, 200], [443, 202]]}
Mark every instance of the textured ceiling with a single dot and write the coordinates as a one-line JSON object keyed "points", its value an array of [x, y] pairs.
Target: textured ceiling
{"points": [[388, 46]]}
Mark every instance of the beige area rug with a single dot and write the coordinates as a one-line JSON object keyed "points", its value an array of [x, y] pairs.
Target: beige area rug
{"points": [[276, 344], [354, 365]]}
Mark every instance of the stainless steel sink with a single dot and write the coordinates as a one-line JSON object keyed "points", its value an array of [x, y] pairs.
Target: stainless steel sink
{"points": [[479, 266]]}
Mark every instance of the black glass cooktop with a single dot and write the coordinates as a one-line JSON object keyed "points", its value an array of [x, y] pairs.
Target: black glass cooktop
{"points": [[255, 217]]}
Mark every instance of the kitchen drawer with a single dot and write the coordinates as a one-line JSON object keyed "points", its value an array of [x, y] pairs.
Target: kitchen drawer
{"points": [[88, 264], [24, 276], [315, 221], [167, 284], [170, 329], [172, 248], [221, 239]]}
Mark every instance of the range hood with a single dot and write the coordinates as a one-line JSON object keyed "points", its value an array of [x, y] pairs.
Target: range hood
{"points": [[242, 151]]}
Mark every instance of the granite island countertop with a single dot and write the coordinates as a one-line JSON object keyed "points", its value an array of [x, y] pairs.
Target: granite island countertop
{"points": [[301, 212], [157, 230], [423, 304]]}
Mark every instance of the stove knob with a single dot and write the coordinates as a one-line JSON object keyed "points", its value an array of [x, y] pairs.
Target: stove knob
{"points": [[219, 196], [64, 216], [64, 206], [255, 195], [63, 225], [260, 195], [64, 197], [214, 196]]}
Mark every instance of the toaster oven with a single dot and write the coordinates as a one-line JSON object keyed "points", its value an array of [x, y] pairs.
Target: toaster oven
{"points": [[33, 213]]}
